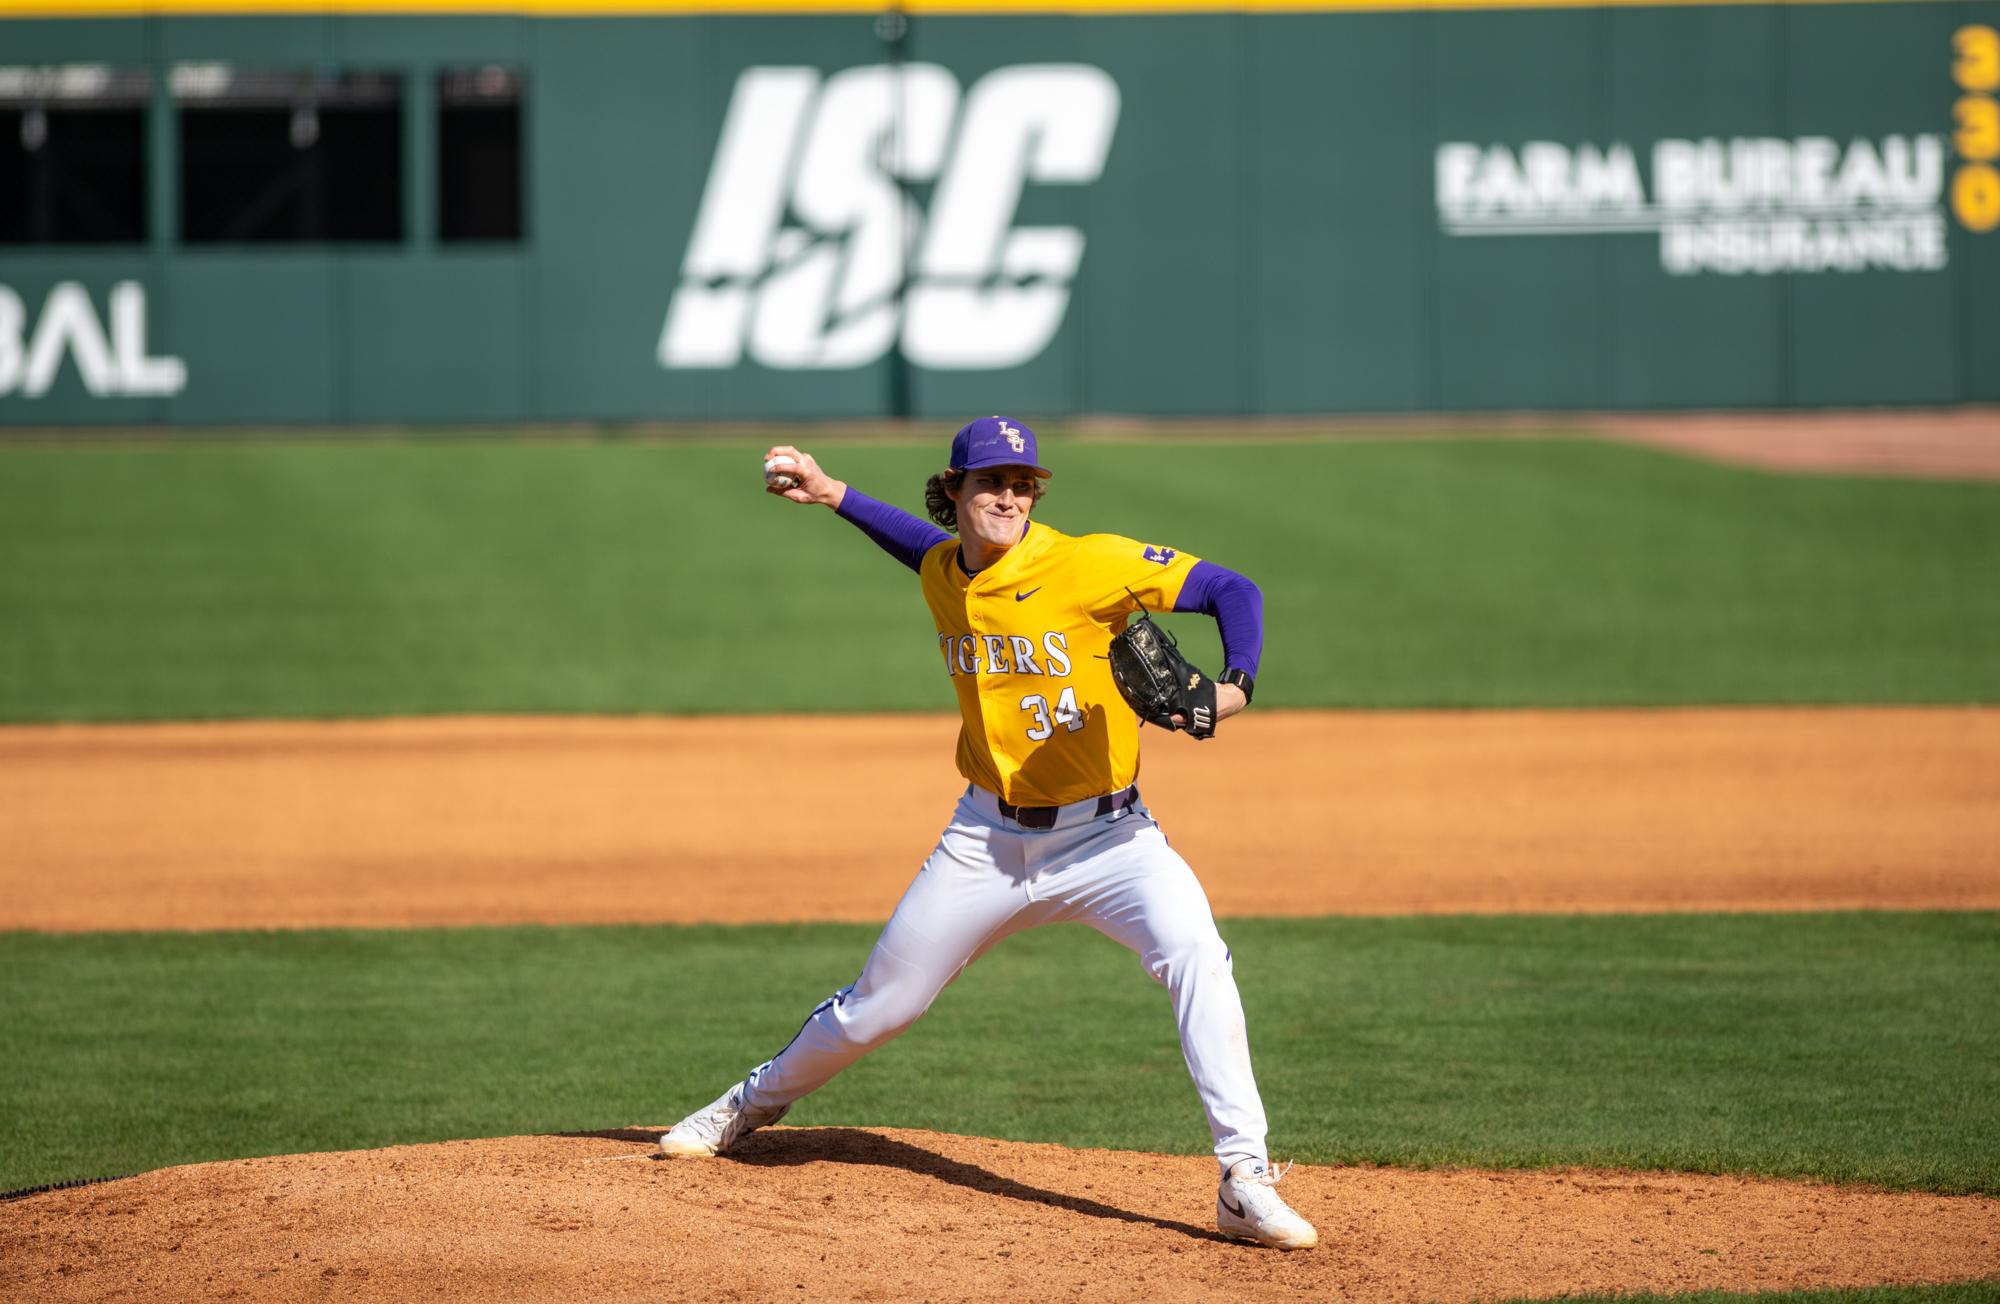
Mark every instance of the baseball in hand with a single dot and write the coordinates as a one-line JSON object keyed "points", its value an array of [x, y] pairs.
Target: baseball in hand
{"points": [[777, 477]]}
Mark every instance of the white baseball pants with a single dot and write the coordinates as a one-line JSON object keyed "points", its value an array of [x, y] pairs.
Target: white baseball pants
{"points": [[990, 878]]}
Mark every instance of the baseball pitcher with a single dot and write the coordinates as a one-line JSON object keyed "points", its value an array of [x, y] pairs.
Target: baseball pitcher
{"points": [[1030, 625]]}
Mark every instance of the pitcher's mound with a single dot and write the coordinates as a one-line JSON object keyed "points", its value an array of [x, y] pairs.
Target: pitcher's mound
{"points": [[808, 1214]]}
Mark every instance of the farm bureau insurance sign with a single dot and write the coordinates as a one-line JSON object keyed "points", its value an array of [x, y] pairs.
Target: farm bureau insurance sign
{"points": [[1755, 204], [1751, 205], [827, 289]]}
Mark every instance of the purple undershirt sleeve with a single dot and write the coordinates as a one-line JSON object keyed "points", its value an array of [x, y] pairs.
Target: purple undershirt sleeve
{"points": [[899, 534], [1238, 608]]}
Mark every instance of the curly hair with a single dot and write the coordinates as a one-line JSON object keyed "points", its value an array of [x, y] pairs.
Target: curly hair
{"points": [[938, 492]]}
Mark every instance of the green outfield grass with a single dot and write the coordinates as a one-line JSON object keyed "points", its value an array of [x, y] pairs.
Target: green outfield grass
{"points": [[188, 581], [1849, 1046]]}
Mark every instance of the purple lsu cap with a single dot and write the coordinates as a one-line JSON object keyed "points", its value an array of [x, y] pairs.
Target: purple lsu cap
{"points": [[995, 441]]}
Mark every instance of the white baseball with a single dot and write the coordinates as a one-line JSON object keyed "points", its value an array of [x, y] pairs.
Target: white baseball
{"points": [[778, 479]]}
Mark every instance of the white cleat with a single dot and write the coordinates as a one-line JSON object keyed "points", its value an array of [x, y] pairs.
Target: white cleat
{"points": [[1250, 1209], [712, 1131]]}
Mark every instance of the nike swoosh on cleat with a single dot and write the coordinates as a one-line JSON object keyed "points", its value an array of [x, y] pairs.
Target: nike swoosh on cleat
{"points": [[1022, 597], [1235, 1209]]}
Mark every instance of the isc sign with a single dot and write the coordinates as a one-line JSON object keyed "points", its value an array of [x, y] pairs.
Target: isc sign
{"points": [[830, 291]]}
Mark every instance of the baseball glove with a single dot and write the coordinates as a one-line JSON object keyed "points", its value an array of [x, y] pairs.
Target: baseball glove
{"points": [[1157, 682]]}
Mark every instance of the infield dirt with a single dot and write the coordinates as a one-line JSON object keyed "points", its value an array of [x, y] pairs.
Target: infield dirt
{"points": [[456, 821], [815, 1214], [733, 819]]}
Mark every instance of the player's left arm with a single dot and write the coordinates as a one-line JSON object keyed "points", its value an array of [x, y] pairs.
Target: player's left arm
{"points": [[1121, 575], [1238, 607]]}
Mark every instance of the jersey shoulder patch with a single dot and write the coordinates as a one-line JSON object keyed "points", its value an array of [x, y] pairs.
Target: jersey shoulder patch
{"points": [[1119, 551]]}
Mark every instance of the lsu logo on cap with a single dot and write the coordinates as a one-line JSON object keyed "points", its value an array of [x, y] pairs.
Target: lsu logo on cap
{"points": [[1160, 555], [1014, 439]]}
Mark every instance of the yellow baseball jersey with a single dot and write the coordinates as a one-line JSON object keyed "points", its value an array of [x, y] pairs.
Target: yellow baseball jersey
{"points": [[1026, 644]]}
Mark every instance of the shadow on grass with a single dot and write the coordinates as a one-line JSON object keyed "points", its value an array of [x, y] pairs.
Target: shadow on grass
{"points": [[796, 1146]]}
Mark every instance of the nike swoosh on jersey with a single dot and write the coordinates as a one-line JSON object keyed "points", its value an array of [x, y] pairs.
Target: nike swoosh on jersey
{"points": [[1023, 597]]}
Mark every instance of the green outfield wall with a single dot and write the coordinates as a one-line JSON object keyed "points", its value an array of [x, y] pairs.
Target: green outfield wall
{"points": [[1716, 205]]}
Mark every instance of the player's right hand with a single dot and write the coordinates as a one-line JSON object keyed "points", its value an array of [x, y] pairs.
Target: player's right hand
{"points": [[815, 485]]}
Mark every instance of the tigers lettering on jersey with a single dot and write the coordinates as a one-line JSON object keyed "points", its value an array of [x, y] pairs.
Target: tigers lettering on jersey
{"points": [[1024, 643], [1005, 654]]}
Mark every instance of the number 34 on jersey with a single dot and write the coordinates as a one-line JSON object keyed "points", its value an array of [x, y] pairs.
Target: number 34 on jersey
{"points": [[1067, 714]]}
